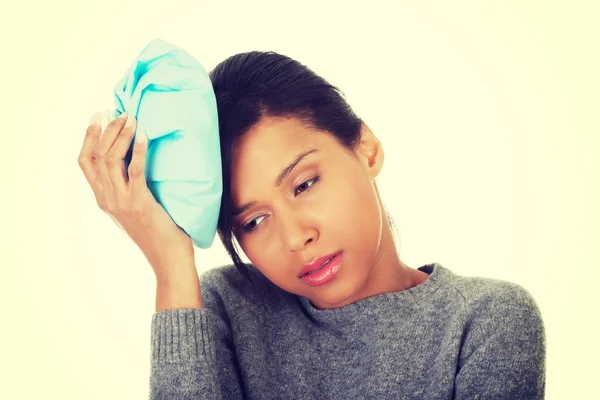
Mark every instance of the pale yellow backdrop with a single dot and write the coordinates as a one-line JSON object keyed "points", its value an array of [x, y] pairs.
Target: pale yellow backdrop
{"points": [[488, 113]]}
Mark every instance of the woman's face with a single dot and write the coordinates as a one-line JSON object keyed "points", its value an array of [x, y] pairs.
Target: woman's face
{"points": [[326, 204]]}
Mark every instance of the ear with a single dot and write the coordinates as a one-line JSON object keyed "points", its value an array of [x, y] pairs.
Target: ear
{"points": [[370, 152]]}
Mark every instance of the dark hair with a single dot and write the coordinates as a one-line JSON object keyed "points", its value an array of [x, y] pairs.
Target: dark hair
{"points": [[254, 85]]}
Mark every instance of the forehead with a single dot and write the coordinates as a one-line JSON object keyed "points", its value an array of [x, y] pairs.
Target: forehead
{"points": [[274, 133], [274, 142], [270, 146]]}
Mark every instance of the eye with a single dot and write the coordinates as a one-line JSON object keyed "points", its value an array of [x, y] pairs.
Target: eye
{"points": [[252, 225], [308, 185]]}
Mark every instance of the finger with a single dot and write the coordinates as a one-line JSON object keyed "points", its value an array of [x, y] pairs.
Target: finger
{"points": [[116, 156], [106, 142], [137, 168], [86, 156]]}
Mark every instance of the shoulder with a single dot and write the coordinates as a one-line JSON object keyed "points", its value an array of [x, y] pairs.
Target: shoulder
{"points": [[499, 314], [223, 277], [502, 301], [226, 289], [502, 343]]}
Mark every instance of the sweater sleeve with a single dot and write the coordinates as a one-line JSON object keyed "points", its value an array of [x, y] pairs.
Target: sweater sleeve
{"points": [[193, 354], [182, 356], [503, 353]]}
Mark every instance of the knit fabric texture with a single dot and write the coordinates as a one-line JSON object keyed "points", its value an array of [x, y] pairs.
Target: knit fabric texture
{"points": [[450, 337]]}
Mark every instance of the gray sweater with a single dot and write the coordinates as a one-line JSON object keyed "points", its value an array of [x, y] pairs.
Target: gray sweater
{"points": [[451, 337]]}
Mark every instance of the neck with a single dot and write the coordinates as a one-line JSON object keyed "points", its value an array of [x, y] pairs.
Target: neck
{"points": [[389, 273]]}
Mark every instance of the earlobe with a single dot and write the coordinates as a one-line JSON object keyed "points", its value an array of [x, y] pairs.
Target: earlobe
{"points": [[371, 151]]}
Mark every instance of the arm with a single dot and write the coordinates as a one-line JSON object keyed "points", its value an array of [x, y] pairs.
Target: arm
{"points": [[183, 365], [193, 356], [503, 356], [179, 290]]}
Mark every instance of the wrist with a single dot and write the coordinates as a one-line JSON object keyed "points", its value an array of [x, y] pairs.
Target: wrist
{"points": [[178, 288]]}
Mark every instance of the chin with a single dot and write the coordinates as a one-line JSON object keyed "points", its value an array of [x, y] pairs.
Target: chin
{"points": [[335, 295], [332, 303]]}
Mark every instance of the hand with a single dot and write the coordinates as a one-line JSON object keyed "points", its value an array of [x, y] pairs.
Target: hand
{"points": [[127, 199]]}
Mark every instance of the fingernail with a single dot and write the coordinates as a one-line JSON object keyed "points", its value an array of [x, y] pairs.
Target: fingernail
{"points": [[95, 120], [129, 122], [124, 115]]}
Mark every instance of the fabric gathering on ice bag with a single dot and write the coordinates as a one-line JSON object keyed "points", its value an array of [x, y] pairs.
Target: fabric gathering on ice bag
{"points": [[170, 94]]}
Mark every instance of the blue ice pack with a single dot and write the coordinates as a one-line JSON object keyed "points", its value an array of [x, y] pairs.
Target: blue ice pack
{"points": [[171, 96]]}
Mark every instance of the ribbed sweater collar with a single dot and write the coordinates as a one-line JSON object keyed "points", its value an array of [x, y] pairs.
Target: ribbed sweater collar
{"points": [[399, 302]]}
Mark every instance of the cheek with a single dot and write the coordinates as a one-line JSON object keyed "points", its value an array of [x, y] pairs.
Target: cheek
{"points": [[354, 214], [351, 200], [273, 263], [264, 253]]}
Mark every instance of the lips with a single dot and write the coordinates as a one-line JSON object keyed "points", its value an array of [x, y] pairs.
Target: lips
{"points": [[316, 264]]}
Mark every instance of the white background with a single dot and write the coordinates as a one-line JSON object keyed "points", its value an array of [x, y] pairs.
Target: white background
{"points": [[488, 113]]}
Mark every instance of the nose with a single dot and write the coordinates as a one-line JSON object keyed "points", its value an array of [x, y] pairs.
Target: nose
{"points": [[296, 232]]}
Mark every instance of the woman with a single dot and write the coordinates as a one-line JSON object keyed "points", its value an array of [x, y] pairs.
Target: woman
{"points": [[326, 309]]}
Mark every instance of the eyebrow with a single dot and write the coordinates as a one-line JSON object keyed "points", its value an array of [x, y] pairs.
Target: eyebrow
{"points": [[280, 178]]}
